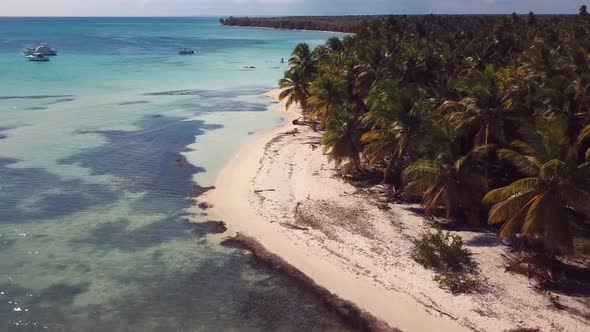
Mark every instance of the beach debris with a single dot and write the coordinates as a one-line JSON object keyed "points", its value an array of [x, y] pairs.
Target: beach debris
{"points": [[262, 190], [295, 227], [204, 205], [383, 206], [292, 132], [209, 227], [198, 190], [297, 207], [219, 227], [554, 299]]}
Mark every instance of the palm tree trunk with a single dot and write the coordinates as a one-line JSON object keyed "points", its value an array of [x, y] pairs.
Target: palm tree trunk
{"points": [[487, 141], [388, 169]]}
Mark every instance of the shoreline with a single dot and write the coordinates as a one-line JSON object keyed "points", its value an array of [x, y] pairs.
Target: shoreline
{"points": [[230, 204], [279, 195]]}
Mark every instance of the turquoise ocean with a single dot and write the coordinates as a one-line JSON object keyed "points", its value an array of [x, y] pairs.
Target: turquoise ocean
{"points": [[95, 185]]}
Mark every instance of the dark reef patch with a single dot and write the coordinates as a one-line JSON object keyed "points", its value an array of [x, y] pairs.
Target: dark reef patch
{"points": [[209, 227], [35, 108], [35, 97], [61, 293], [149, 159], [58, 197], [114, 235], [227, 106], [212, 93], [60, 100], [137, 102]]}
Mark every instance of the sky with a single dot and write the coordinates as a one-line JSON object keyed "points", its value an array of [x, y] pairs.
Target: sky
{"points": [[278, 7]]}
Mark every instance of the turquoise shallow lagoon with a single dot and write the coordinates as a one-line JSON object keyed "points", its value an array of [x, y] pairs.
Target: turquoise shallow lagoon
{"points": [[94, 183]]}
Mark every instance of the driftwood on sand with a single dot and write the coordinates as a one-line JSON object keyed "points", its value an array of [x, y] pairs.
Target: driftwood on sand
{"points": [[263, 190]]}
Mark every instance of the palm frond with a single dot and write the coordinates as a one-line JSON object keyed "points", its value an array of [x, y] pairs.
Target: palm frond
{"points": [[526, 165], [518, 187], [514, 224], [506, 209]]}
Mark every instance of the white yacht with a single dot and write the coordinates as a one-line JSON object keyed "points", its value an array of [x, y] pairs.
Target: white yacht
{"points": [[42, 49], [37, 57]]}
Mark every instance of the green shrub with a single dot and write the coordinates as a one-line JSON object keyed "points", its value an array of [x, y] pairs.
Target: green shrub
{"points": [[439, 251], [459, 282], [446, 255]]}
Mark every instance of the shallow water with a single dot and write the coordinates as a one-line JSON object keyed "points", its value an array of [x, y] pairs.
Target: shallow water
{"points": [[94, 182]]}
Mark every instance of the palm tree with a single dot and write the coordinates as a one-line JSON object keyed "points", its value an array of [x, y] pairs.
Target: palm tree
{"points": [[334, 44], [325, 95], [342, 139], [393, 123], [553, 196], [302, 60], [447, 179], [294, 89], [532, 18], [373, 58], [482, 111]]}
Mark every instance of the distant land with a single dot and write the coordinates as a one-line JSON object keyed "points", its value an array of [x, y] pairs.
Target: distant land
{"points": [[325, 23], [348, 24]]}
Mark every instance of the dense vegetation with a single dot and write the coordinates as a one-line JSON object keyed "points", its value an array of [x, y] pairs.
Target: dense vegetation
{"points": [[485, 119], [326, 23]]}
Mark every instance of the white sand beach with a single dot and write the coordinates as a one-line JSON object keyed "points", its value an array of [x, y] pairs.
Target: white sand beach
{"points": [[281, 190]]}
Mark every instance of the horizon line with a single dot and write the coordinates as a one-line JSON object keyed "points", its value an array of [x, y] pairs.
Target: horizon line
{"points": [[290, 15]]}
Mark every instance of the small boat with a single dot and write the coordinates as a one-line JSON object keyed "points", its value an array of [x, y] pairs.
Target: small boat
{"points": [[42, 49], [185, 51], [37, 57]]}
